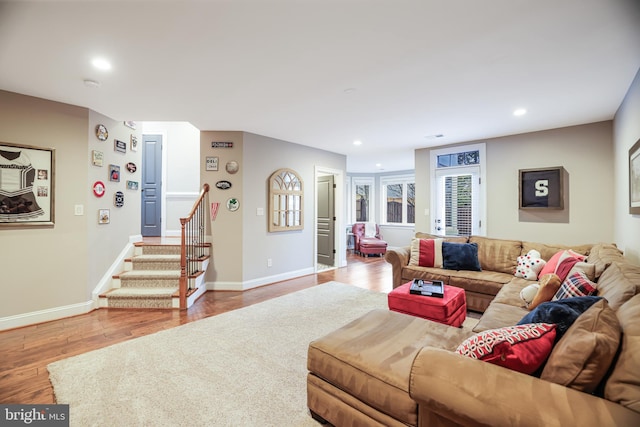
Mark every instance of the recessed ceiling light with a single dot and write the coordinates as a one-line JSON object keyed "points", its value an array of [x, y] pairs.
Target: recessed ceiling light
{"points": [[91, 83], [357, 142], [520, 112], [101, 64], [349, 90], [437, 135], [378, 165]]}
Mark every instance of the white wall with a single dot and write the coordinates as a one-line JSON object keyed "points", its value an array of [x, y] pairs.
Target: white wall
{"points": [[181, 170], [585, 152], [626, 132]]}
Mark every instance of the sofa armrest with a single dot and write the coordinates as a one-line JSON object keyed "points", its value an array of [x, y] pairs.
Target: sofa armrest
{"points": [[469, 392], [398, 257]]}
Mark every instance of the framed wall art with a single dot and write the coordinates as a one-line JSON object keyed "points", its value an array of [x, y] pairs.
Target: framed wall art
{"points": [[114, 173], [27, 183], [212, 163], [634, 179], [541, 188], [103, 216]]}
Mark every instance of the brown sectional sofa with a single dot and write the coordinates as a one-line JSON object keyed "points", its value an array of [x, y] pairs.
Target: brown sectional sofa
{"points": [[391, 369], [497, 258]]}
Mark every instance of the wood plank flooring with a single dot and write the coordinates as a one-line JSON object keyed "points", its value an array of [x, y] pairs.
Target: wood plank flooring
{"points": [[26, 352]]}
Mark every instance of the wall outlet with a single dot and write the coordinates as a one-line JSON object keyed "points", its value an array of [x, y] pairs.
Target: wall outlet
{"points": [[269, 262]]}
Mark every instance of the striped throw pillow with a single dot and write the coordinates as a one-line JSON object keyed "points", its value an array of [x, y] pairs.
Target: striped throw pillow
{"points": [[575, 285]]}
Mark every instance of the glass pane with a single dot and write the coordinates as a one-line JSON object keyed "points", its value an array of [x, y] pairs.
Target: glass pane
{"points": [[362, 203], [411, 203], [394, 203], [458, 199]]}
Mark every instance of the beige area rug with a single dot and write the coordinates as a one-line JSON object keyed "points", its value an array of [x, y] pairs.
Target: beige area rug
{"points": [[242, 368]]}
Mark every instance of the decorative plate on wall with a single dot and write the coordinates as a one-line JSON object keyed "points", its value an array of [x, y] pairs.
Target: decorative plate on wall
{"points": [[98, 188], [131, 167], [233, 204], [232, 167], [118, 199], [102, 133]]}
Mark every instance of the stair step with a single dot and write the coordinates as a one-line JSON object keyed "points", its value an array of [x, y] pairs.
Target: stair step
{"points": [[141, 297], [149, 279], [160, 249], [156, 262]]}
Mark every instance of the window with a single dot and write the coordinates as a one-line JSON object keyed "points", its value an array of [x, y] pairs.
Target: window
{"points": [[285, 201], [399, 200], [362, 199], [457, 197]]}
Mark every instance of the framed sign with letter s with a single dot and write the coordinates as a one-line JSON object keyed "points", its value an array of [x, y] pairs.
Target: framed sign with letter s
{"points": [[541, 188]]}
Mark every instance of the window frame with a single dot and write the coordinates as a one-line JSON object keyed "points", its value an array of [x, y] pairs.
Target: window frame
{"points": [[404, 179], [355, 182], [481, 189]]}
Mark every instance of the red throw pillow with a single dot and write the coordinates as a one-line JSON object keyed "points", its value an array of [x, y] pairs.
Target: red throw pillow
{"points": [[523, 348], [426, 252], [561, 263]]}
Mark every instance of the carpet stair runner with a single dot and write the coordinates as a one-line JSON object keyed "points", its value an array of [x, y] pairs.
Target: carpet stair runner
{"points": [[151, 279]]}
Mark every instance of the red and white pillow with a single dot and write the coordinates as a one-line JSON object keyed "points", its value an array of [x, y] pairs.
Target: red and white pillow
{"points": [[426, 253], [523, 348], [577, 284], [561, 263]]}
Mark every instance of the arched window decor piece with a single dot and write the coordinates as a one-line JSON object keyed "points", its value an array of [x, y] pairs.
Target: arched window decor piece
{"points": [[285, 201]]}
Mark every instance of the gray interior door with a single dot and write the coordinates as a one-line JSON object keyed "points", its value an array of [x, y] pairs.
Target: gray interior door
{"points": [[326, 221], [151, 185]]}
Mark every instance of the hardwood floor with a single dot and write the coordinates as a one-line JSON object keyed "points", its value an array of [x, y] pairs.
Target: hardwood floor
{"points": [[26, 352]]}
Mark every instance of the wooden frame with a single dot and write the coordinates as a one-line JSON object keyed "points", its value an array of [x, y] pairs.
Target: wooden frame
{"points": [[634, 179], [27, 185], [541, 188], [286, 202]]}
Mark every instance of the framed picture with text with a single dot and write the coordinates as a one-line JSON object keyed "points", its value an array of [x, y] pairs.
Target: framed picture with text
{"points": [[541, 188]]}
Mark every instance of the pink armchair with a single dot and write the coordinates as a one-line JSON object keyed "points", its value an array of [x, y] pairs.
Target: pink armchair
{"points": [[371, 244]]}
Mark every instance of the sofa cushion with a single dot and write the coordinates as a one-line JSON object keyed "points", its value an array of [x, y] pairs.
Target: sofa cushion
{"points": [[523, 348], [562, 313], [460, 256], [498, 255], [426, 252], [454, 239], [617, 284], [498, 315], [623, 385], [602, 255], [582, 357], [547, 251], [375, 370], [575, 285]]}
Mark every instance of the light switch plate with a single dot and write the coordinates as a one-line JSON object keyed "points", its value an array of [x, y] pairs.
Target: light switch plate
{"points": [[79, 210]]}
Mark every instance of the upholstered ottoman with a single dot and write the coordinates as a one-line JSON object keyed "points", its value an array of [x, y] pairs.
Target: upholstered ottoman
{"points": [[372, 246], [450, 310]]}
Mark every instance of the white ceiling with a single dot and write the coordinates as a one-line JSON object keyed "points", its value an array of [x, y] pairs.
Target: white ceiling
{"points": [[324, 73]]}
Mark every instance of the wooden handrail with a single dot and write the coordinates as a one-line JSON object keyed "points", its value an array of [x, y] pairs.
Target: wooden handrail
{"points": [[191, 241]]}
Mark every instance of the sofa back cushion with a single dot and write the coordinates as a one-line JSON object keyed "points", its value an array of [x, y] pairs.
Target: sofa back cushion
{"points": [[497, 254], [623, 385], [454, 239], [602, 255], [618, 283], [548, 251]]}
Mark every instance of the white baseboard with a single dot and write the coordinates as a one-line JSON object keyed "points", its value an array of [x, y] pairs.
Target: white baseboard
{"points": [[116, 267], [47, 315], [254, 283]]}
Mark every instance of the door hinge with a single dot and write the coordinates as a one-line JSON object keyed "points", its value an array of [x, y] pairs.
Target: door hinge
{"points": [[334, 251], [335, 186], [334, 218]]}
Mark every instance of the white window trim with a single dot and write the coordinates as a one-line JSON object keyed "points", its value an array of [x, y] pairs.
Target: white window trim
{"points": [[395, 179], [482, 150], [363, 180]]}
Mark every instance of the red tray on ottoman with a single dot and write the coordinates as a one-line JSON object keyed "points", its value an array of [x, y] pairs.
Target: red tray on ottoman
{"points": [[451, 309]]}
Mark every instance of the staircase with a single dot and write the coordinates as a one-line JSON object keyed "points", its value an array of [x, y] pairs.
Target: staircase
{"points": [[151, 279]]}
